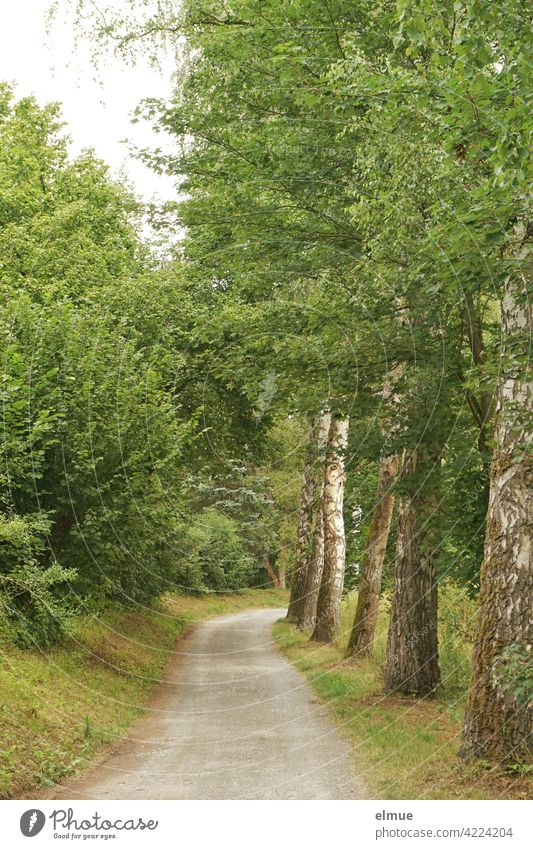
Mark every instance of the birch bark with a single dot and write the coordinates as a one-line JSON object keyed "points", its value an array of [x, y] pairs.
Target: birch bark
{"points": [[330, 594], [498, 722]]}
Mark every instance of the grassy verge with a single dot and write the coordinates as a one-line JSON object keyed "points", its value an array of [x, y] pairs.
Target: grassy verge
{"points": [[60, 708], [404, 748]]}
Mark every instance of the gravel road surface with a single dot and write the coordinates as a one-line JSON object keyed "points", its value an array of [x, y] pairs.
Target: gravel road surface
{"points": [[232, 720]]}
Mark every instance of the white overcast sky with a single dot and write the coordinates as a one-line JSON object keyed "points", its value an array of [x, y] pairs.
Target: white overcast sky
{"points": [[96, 106]]}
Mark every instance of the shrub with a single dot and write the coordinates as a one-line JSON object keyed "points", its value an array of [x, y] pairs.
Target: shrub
{"points": [[33, 607], [216, 558]]}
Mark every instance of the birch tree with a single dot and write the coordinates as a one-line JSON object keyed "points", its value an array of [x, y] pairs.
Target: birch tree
{"points": [[313, 577], [499, 715], [330, 594], [305, 526]]}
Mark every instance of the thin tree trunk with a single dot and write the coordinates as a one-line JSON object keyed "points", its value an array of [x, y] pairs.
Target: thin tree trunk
{"points": [[482, 404], [366, 615], [271, 572], [305, 524], [498, 721], [307, 614], [412, 648], [330, 593], [306, 607]]}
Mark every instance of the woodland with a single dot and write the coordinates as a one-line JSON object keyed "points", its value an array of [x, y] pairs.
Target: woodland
{"points": [[311, 369]]}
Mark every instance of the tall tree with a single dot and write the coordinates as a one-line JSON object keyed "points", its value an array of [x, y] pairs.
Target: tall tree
{"points": [[499, 715], [366, 615], [305, 525], [330, 594], [412, 649], [306, 614]]}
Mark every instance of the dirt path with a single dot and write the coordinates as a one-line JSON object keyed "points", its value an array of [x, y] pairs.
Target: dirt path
{"points": [[232, 720]]}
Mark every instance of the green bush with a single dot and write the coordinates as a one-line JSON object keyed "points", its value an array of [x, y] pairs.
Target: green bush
{"points": [[34, 606], [216, 558]]}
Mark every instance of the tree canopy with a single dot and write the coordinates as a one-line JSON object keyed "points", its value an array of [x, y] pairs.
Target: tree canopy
{"points": [[353, 203]]}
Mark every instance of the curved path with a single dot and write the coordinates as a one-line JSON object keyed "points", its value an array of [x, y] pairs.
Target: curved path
{"points": [[233, 720]]}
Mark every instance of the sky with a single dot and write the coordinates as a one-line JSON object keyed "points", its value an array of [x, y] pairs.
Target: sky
{"points": [[96, 106]]}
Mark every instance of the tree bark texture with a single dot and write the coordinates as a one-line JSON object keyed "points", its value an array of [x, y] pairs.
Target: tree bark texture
{"points": [[307, 612], [330, 594], [481, 403], [366, 614], [499, 718], [305, 523], [306, 608], [412, 665]]}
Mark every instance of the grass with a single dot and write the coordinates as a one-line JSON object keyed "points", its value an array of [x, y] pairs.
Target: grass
{"points": [[61, 708], [404, 748]]}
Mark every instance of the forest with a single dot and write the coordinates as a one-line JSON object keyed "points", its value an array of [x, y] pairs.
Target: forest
{"points": [[311, 370]]}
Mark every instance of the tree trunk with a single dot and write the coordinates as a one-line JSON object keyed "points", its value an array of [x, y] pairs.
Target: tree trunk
{"points": [[307, 613], [366, 614], [271, 571], [498, 720], [482, 404], [330, 593], [306, 608], [305, 524], [412, 648]]}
